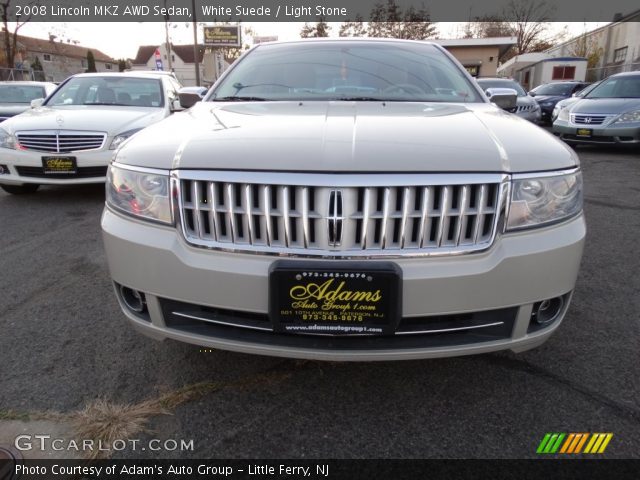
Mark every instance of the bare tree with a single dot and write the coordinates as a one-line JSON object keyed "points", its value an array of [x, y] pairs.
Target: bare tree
{"points": [[587, 46], [529, 23], [10, 38], [389, 20]]}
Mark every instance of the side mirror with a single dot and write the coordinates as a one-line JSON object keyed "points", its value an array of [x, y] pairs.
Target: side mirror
{"points": [[505, 98], [37, 102], [176, 105], [188, 99], [532, 94]]}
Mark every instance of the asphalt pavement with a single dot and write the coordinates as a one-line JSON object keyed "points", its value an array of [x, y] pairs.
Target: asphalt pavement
{"points": [[65, 344]]}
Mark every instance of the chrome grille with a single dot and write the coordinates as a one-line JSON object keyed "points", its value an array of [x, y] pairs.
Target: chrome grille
{"points": [[586, 119], [63, 141], [339, 215], [525, 108]]}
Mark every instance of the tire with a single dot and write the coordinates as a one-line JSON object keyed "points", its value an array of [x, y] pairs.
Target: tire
{"points": [[24, 189]]}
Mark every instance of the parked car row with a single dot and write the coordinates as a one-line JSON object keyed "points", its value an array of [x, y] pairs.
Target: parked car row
{"points": [[605, 112]]}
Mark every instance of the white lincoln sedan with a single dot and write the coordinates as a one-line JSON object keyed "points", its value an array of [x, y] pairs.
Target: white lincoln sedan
{"points": [[70, 137]]}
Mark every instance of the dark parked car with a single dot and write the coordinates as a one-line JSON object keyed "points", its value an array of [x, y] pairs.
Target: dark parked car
{"points": [[549, 94]]}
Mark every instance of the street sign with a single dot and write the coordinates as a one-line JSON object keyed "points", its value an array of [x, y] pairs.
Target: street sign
{"points": [[222, 36], [158, 58]]}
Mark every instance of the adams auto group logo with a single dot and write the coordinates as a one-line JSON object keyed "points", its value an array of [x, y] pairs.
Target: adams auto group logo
{"points": [[574, 443]]}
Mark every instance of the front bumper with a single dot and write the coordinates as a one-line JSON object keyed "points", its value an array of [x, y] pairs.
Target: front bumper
{"points": [[620, 134], [25, 166], [519, 270]]}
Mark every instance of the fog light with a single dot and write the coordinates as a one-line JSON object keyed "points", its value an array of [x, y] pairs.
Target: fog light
{"points": [[547, 311], [133, 299], [4, 170]]}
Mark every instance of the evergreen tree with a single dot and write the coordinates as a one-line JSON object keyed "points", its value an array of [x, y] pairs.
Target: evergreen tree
{"points": [[91, 62]]}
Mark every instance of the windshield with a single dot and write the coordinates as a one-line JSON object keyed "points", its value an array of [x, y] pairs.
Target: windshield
{"points": [[20, 93], [554, 89], [617, 87], [346, 71], [109, 90], [502, 84]]}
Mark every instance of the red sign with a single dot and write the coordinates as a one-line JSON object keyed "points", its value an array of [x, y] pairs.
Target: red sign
{"points": [[157, 54]]}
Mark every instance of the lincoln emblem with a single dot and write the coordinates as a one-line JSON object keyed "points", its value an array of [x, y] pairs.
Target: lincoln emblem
{"points": [[335, 218]]}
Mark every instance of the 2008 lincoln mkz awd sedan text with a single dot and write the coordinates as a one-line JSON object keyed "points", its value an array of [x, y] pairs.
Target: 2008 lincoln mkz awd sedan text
{"points": [[345, 200]]}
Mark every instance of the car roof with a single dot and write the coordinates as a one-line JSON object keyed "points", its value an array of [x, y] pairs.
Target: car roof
{"points": [[133, 74]]}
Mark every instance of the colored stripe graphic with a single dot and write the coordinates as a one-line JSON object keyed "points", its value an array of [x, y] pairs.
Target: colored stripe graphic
{"points": [[574, 443]]}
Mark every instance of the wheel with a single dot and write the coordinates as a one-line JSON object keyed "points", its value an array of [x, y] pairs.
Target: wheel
{"points": [[23, 189]]}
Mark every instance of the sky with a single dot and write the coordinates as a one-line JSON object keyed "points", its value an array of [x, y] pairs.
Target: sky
{"points": [[121, 40]]}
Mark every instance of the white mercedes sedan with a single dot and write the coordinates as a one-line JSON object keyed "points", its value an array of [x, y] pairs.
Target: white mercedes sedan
{"points": [[70, 137]]}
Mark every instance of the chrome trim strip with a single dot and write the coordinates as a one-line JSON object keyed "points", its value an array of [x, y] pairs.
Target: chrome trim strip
{"points": [[366, 205], [285, 215], [463, 214], [266, 193], [155, 171], [230, 212], [555, 173], [405, 214], [479, 214], [247, 211], [443, 214], [213, 211], [442, 330], [385, 218], [305, 216], [220, 322]]}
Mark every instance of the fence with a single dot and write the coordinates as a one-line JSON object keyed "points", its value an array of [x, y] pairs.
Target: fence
{"points": [[14, 74], [600, 73]]}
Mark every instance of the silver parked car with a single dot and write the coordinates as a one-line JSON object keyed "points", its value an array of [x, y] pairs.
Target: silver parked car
{"points": [[16, 97], [70, 137], [608, 114], [526, 106], [345, 200], [567, 102]]}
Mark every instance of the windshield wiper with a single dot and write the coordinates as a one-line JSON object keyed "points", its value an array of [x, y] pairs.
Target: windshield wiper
{"points": [[238, 98], [359, 99]]}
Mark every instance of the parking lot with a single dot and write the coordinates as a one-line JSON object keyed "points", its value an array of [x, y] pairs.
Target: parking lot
{"points": [[65, 344]]}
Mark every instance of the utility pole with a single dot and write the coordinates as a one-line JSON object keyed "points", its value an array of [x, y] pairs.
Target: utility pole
{"points": [[195, 44]]}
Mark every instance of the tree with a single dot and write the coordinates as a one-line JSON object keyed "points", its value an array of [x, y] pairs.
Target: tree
{"points": [[10, 38], [353, 29], [320, 29], [390, 21], [91, 62], [123, 64], [36, 66], [587, 46], [530, 23], [487, 26]]}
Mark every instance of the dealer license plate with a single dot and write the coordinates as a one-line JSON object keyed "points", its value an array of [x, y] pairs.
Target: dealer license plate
{"points": [[584, 132], [59, 165], [335, 298]]}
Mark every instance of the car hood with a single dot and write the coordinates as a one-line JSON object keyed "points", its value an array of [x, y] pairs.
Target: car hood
{"points": [[347, 137], [113, 120], [606, 105], [9, 110], [525, 101], [548, 98]]}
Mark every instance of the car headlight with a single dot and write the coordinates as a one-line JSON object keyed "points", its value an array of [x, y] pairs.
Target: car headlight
{"points": [[7, 140], [538, 201], [121, 137], [629, 117], [143, 194], [563, 114]]}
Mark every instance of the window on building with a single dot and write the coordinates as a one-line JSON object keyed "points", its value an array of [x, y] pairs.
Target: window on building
{"points": [[46, 57], [173, 58], [563, 73], [620, 54], [108, 66], [84, 63]]}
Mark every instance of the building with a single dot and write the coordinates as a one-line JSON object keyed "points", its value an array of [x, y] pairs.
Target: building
{"points": [[478, 55], [179, 59], [533, 69], [59, 60], [613, 48]]}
